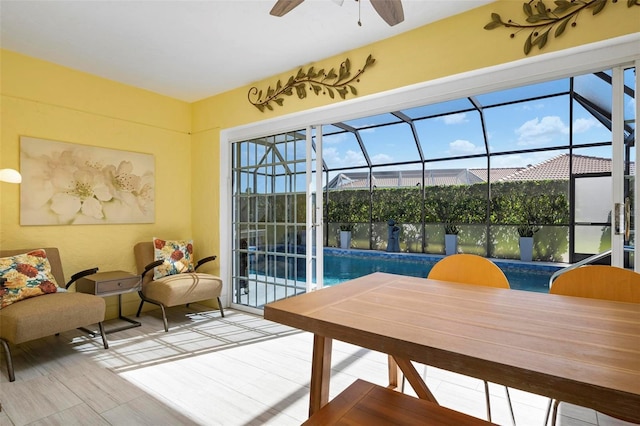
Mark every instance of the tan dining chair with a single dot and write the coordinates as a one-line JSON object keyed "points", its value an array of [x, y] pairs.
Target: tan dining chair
{"points": [[475, 270], [596, 282]]}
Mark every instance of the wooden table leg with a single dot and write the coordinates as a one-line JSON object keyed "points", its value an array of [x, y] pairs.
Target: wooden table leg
{"points": [[320, 373], [394, 373], [414, 378]]}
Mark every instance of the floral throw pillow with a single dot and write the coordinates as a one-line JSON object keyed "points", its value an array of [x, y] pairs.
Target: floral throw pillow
{"points": [[176, 254], [27, 275]]}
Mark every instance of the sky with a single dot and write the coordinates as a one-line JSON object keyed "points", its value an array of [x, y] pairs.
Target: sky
{"points": [[538, 123], [454, 129]]}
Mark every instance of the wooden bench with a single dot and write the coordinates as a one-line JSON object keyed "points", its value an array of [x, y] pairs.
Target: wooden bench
{"points": [[364, 403]]}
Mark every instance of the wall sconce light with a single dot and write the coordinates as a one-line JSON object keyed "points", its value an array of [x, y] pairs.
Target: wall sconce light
{"points": [[10, 175]]}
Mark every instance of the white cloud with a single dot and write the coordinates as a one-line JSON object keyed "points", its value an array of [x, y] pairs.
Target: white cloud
{"points": [[381, 159], [353, 158], [454, 118], [631, 105], [537, 132], [350, 158], [582, 125], [335, 139], [463, 147], [330, 154], [513, 160], [529, 107]]}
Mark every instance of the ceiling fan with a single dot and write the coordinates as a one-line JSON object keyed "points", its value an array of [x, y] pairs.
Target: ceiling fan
{"points": [[389, 10]]}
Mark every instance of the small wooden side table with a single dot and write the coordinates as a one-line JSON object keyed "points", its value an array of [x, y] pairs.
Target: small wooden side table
{"points": [[111, 283]]}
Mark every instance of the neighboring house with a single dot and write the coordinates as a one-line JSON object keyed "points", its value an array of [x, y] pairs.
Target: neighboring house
{"points": [[556, 168]]}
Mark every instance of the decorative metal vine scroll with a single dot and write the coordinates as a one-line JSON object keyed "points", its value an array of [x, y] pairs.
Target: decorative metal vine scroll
{"points": [[320, 81], [541, 20]]}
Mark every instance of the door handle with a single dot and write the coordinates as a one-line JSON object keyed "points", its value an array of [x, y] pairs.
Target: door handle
{"points": [[619, 219], [622, 223], [627, 218]]}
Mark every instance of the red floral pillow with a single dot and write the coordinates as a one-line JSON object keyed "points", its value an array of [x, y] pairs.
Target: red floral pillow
{"points": [[176, 254], [27, 275]]}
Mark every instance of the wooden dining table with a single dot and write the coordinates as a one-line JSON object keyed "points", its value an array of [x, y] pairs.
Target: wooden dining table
{"points": [[578, 350]]}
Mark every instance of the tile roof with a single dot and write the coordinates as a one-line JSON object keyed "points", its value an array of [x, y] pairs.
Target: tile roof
{"points": [[496, 174], [556, 168]]}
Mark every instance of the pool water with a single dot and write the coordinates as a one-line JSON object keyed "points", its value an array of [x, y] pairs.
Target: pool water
{"points": [[340, 266]]}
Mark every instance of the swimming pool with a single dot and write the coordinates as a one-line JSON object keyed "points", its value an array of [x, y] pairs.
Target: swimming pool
{"points": [[343, 265]]}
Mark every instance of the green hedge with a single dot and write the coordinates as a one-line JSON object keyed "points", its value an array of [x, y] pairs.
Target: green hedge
{"points": [[512, 203], [537, 202]]}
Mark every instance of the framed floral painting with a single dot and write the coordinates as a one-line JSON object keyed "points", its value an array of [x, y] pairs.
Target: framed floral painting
{"points": [[72, 184]]}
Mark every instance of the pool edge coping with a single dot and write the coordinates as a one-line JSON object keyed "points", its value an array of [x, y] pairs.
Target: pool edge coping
{"points": [[509, 263]]}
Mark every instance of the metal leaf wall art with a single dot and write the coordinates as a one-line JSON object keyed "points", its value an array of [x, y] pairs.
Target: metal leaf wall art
{"points": [[543, 22], [332, 82]]}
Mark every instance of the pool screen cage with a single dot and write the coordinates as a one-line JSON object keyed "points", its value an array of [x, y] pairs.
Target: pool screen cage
{"points": [[487, 166]]}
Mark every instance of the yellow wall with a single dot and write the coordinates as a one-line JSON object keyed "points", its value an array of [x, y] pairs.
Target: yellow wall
{"points": [[450, 46], [44, 100], [47, 101]]}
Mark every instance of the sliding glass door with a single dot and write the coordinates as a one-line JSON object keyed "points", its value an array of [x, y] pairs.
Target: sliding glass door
{"points": [[274, 217], [623, 132]]}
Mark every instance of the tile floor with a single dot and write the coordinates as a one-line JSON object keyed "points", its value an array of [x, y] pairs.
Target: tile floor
{"points": [[208, 370]]}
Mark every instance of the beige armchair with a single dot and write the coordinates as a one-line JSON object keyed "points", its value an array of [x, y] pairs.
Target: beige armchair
{"points": [[47, 314], [173, 290]]}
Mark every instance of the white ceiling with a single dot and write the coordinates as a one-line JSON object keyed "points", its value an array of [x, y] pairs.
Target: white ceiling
{"points": [[191, 50]]}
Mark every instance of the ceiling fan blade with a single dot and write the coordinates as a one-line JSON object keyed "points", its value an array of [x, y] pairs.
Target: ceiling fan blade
{"points": [[282, 7], [389, 10]]}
